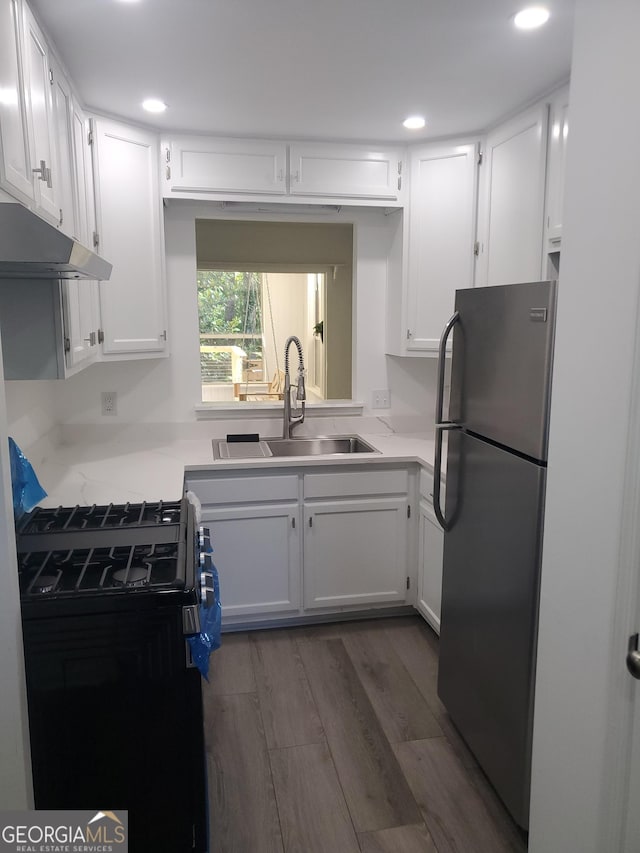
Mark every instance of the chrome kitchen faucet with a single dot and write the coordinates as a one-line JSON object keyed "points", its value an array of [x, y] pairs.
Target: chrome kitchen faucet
{"points": [[291, 421]]}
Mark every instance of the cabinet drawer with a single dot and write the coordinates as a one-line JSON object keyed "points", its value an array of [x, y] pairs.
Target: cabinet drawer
{"points": [[346, 484], [235, 490]]}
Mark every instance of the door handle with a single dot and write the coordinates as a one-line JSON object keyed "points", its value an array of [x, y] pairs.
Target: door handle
{"points": [[633, 656], [440, 425]]}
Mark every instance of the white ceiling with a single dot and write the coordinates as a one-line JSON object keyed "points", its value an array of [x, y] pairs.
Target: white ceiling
{"points": [[319, 69]]}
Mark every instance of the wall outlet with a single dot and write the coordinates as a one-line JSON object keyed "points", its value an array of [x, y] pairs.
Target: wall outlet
{"points": [[109, 403], [381, 399]]}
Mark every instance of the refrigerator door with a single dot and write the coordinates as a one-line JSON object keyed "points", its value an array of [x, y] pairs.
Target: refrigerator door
{"points": [[490, 609], [502, 357]]}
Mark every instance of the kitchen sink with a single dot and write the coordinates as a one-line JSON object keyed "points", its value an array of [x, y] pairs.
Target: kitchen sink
{"points": [[322, 446], [318, 446]]}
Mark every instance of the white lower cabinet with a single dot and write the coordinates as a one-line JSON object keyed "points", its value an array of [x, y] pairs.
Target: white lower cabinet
{"points": [[355, 552], [430, 552], [341, 536], [257, 554]]}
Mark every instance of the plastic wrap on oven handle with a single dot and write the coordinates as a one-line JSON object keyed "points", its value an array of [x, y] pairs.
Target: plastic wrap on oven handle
{"points": [[208, 640]]}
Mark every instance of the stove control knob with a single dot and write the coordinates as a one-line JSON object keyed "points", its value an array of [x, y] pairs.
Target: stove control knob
{"points": [[204, 539], [207, 595]]}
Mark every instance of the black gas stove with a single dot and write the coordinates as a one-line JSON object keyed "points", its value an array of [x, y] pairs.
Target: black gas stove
{"points": [[77, 559], [109, 595]]}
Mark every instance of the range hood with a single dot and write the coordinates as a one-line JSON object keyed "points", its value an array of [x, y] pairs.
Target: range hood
{"points": [[31, 248]]}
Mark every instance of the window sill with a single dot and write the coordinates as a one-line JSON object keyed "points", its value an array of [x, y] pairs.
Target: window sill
{"points": [[221, 411]]}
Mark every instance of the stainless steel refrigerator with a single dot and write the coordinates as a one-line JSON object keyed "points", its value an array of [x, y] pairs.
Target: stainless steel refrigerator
{"points": [[496, 437]]}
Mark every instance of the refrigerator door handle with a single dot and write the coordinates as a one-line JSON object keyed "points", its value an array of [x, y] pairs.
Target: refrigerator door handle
{"points": [[440, 424]]}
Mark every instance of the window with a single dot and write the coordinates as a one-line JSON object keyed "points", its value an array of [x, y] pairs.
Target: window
{"points": [[248, 308]]}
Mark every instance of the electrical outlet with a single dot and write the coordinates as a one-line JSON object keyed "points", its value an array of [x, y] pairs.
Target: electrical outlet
{"points": [[381, 399], [109, 402]]}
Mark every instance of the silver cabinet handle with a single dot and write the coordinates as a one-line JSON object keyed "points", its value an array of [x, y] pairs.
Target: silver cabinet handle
{"points": [[441, 426], [44, 172]]}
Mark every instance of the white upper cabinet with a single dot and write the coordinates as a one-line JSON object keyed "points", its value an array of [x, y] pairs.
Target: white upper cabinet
{"points": [[433, 250], [132, 302], [440, 255], [38, 82], [83, 173], [201, 164], [15, 167], [345, 171], [558, 135], [512, 190], [65, 165], [206, 167]]}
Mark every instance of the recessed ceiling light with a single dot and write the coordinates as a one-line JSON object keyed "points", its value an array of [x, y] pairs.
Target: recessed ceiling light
{"points": [[153, 105], [531, 17], [414, 122]]}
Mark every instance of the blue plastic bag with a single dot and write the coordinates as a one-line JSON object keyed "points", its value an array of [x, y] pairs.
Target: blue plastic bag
{"points": [[27, 491], [208, 640]]}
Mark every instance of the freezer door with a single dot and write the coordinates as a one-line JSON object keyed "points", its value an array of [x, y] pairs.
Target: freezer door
{"points": [[489, 614], [502, 359]]}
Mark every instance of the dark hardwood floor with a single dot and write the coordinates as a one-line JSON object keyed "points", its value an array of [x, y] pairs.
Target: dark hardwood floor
{"points": [[332, 739]]}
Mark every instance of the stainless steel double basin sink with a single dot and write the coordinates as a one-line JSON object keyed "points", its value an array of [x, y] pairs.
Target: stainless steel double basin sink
{"points": [[321, 446]]}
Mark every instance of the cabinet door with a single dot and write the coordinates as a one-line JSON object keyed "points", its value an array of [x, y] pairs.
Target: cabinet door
{"points": [[66, 168], [132, 302], [441, 236], [256, 550], [558, 134], [355, 552], [40, 122], [430, 552], [83, 170], [80, 304], [512, 210], [208, 165], [15, 167], [345, 171]]}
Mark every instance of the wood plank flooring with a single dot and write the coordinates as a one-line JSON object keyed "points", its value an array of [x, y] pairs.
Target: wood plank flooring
{"points": [[332, 739]]}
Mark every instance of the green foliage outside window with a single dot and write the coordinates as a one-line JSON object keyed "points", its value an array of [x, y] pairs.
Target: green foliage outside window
{"points": [[229, 302], [229, 309]]}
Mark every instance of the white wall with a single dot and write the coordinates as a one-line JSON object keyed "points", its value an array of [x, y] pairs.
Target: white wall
{"points": [[287, 297], [580, 658], [31, 410], [166, 390], [15, 772]]}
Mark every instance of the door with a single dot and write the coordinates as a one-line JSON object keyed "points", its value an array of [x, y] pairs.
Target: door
{"points": [[345, 171], [15, 166], [441, 236], [257, 554], [199, 164], [355, 552], [512, 191], [39, 105], [632, 828], [501, 371], [132, 302], [430, 566], [63, 124], [490, 593]]}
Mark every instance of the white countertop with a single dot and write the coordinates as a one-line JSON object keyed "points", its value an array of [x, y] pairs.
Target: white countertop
{"points": [[135, 470]]}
